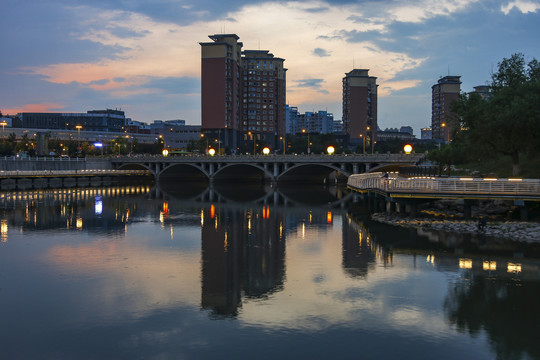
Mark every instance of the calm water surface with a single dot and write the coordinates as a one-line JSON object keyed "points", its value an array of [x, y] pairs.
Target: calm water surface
{"points": [[251, 273]]}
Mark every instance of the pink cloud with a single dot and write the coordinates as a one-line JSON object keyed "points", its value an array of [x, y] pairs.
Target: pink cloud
{"points": [[45, 107]]}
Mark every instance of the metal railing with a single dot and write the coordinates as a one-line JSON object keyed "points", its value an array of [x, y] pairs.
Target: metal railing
{"points": [[62, 173], [451, 185]]}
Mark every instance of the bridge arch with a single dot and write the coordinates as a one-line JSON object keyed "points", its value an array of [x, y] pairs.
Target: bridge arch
{"points": [[183, 172], [315, 172], [250, 172]]}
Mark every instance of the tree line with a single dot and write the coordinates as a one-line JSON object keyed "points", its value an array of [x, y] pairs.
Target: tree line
{"points": [[505, 123]]}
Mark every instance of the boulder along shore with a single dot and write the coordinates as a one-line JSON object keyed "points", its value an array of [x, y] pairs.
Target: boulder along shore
{"points": [[445, 217]]}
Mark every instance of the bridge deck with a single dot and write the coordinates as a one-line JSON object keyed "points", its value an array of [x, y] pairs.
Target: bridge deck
{"points": [[452, 187]]}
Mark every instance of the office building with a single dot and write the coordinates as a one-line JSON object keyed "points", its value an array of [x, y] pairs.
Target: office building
{"points": [[444, 122], [360, 106], [242, 93], [94, 120]]}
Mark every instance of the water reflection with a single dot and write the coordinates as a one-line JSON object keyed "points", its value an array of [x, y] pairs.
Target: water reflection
{"points": [[158, 270]]}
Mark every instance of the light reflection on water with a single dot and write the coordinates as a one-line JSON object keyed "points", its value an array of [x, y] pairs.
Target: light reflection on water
{"points": [[136, 272]]}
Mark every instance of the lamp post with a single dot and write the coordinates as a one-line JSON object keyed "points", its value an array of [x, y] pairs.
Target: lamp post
{"points": [[252, 137], [308, 149], [3, 123], [363, 143], [283, 138], [79, 127]]}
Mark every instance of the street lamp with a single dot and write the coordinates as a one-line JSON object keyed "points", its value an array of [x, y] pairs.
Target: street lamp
{"points": [[212, 151], [407, 148], [252, 137], [364, 143], [79, 127], [330, 150], [283, 138], [3, 123], [308, 149], [266, 150]]}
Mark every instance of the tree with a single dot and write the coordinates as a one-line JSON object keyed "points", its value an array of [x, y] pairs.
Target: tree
{"points": [[507, 121]]}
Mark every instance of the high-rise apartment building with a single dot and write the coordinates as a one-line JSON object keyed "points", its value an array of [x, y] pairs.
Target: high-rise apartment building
{"points": [[360, 106], [444, 122], [243, 94]]}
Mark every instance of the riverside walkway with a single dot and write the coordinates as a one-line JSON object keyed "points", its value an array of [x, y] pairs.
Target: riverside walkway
{"points": [[451, 187], [406, 193]]}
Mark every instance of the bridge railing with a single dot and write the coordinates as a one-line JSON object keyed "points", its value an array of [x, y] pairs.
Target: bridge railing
{"points": [[452, 185], [83, 172], [274, 158]]}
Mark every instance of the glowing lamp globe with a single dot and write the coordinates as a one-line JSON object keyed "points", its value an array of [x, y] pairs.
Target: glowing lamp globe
{"points": [[165, 152], [330, 150], [266, 150], [407, 148], [211, 152]]}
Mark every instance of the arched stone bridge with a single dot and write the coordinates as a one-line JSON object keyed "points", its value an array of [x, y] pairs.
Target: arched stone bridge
{"points": [[274, 168]]}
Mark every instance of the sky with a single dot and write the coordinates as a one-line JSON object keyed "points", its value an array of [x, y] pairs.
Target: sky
{"points": [[143, 56]]}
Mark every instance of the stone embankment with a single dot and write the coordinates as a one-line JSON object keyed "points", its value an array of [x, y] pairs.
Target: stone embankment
{"points": [[513, 230]]}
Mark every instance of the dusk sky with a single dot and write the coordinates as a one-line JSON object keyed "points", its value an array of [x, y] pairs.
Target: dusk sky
{"points": [[144, 56]]}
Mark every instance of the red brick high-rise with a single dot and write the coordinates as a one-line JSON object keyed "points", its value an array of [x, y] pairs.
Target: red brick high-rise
{"points": [[242, 94], [360, 107], [443, 121]]}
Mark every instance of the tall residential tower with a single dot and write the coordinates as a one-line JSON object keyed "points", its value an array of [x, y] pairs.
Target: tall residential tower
{"points": [[243, 94], [360, 107], [443, 121]]}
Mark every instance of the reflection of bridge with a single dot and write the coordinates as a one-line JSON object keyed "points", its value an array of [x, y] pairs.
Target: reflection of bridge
{"points": [[329, 197], [276, 168]]}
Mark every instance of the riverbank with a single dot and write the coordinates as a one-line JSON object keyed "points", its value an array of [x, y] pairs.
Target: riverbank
{"points": [[513, 230]]}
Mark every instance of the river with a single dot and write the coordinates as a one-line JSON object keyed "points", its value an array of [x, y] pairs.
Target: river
{"points": [[135, 272]]}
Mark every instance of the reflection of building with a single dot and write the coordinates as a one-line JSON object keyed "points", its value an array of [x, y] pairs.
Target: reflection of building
{"points": [[358, 253], [443, 121], [241, 253], [104, 210]]}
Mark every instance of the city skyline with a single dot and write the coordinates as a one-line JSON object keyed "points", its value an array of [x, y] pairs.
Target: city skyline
{"points": [[144, 58]]}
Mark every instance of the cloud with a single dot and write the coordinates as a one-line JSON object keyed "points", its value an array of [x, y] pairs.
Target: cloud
{"points": [[44, 107], [521, 5], [314, 83], [321, 52]]}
